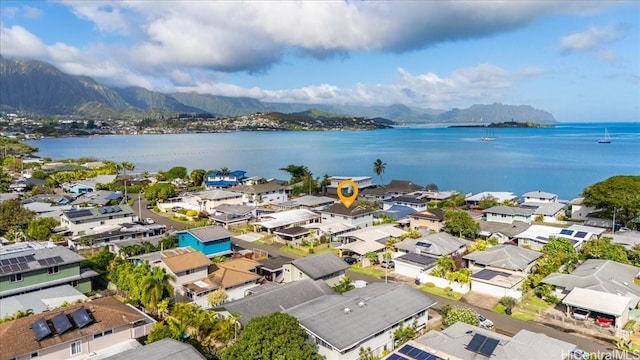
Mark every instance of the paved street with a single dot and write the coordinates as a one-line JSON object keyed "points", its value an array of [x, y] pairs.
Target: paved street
{"points": [[503, 323]]}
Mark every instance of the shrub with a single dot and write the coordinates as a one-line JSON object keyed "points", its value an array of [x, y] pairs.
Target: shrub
{"points": [[430, 285], [508, 301], [191, 213], [448, 289]]}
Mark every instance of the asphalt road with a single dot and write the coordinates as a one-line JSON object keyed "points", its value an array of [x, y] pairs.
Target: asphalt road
{"points": [[504, 324]]}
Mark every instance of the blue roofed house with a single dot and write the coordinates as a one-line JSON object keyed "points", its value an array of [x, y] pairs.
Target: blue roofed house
{"points": [[224, 179], [210, 240]]}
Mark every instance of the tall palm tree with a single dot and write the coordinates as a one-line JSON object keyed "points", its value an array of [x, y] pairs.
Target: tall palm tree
{"points": [[155, 287], [378, 169]]}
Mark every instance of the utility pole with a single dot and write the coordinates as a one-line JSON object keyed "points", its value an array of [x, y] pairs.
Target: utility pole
{"points": [[139, 206]]}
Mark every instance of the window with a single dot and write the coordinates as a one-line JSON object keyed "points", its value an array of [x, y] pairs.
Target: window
{"points": [[54, 270], [35, 354], [76, 347], [74, 283], [108, 332], [188, 272], [98, 335], [300, 274], [16, 277]]}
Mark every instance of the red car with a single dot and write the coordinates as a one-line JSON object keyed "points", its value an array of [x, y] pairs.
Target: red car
{"points": [[604, 321]]}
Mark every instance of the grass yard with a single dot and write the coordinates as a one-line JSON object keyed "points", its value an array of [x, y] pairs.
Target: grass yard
{"points": [[442, 292], [305, 251], [527, 311], [371, 271]]}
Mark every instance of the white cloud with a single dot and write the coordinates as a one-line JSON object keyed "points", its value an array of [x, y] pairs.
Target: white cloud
{"points": [[27, 12], [594, 41], [31, 12]]}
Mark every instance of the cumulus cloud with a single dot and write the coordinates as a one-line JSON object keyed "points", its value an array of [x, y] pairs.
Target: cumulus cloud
{"points": [[27, 12], [594, 40]]}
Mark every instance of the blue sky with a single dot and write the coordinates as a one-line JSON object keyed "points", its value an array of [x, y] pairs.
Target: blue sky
{"points": [[579, 60]]}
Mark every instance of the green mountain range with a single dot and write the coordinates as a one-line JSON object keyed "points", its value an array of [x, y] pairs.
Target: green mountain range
{"points": [[36, 87]]}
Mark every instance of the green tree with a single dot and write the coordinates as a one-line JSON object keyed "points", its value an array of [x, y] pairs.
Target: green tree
{"points": [[603, 249], [456, 314], [444, 266], [155, 287], [197, 176], [275, 336], [460, 223], [217, 297], [405, 333], [366, 354], [378, 169], [176, 172], [619, 194], [127, 166], [373, 257], [297, 172], [344, 285], [487, 201], [12, 213], [478, 245], [40, 229], [159, 191]]}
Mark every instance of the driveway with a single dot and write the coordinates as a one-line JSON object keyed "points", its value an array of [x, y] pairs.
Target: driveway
{"points": [[143, 212], [482, 301]]}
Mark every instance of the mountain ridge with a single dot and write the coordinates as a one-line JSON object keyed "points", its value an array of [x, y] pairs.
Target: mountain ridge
{"points": [[38, 87]]}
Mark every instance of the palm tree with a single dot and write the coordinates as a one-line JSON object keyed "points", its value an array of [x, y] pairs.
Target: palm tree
{"points": [[155, 287], [378, 169]]}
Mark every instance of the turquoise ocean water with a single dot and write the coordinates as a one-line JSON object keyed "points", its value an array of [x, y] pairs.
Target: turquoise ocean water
{"points": [[562, 160]]}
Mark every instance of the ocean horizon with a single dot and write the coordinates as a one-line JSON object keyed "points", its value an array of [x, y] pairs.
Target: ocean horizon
{"points": [[563, 159]]}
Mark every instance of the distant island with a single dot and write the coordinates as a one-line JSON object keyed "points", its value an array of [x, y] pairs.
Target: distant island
{"points": [[507, 124]]}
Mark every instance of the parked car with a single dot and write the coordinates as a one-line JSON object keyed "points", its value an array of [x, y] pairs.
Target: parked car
{"points": [[485, 323], [149, 206], [604, 321], [149, 221], [581, 314], [387, 263], [176, 208], [350, 260]]}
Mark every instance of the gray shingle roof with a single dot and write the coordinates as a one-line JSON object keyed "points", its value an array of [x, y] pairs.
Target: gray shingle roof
{"points": [[353, 210], [441, 244], [209, 233], [317, 266], [540, 195], [276, 298], [165, 349], [510, 230], [371, 309], [508, 210], [66, 257], [505, 257], [549, 209]]}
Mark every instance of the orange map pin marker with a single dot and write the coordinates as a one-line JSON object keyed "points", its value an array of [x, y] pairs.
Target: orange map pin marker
{"points": [[347, 201]]}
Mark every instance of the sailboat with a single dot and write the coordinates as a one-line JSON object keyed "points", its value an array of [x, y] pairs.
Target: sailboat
{"points": [[488, 135], [606, 139]]}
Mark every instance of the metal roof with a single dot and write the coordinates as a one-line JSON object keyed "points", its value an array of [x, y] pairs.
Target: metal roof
{"points": [[317, 266], [504, 256]]}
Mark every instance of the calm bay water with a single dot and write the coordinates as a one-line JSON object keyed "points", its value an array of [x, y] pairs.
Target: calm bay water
{"points": [[562, 160]]}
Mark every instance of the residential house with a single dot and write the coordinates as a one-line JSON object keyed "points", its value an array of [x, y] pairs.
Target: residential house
{"points": [[271, 268], [500, 270], [579, 211], [375, 194], [536, 236], [309, 202], [498, 196], [550, 213], [115, 247], [431, 220], [186, 265], [104, 235], [500, 231], [286, 219], [98, 198], [604, 287], [437, 196], [405, 200], [412, 264], [401, 214], [355, 215], [41, 301], [235, 276], [463, 341], [88, 185], [294, 234], [79, 221], [165, 349], [272, 192], [363, 182], [203, 201], [96, 328], [273, 297], [330, 230], [340, 325], [48, 205], [210, 240], [228, 215], [507, 214], [27, 267], [326, 266], [373, 239], [539, 197], [222, 179], [433, 244], [401, 187]]}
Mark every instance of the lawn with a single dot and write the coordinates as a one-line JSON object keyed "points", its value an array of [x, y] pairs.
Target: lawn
{"points": [[371, 271], [442, 292], [305, 251], [526, 311]]}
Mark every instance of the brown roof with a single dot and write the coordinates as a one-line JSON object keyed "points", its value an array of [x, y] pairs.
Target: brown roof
{"points": [[227, 274], [353, 210], [18, 338], [183, 262], [433, 214], [402, 186]]}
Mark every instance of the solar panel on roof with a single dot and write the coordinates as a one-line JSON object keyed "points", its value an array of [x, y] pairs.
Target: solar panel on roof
{"points": [[476, 342], [41, 329], [24, 266], [566, 232], [5, 269], [79, 213], [396, 357], [50, 261], [581, 234], [488, 347], [4, 262], [30, 258], [61, 323], [58, 259], [15, 267], [13, 261], [42, 262], [81, 317], [102, 210], [423, 244]]}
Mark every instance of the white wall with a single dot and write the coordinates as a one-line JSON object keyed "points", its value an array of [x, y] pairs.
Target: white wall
{"points": [[444, 283], [495, 290], [362, 221], [507, 219]]}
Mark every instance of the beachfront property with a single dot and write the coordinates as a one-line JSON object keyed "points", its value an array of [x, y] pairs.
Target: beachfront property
{"points": [[210, 240], [431, 220], [97, 328], [79, 221], [33, 266], [224, 179], [261, 194]]}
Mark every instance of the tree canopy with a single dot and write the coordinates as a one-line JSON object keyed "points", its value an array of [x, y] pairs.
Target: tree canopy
{"points": [[378, 169], [41, 228], [453, 314], [159, 191], [176, 172], [460, 223], [275, 336], [12, 213], [297, 172], [619, 194]]}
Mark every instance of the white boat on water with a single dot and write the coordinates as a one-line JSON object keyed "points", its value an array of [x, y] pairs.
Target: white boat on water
{"points": [[606, 139]]}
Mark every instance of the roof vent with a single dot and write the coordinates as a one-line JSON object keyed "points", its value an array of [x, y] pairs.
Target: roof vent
{"points": [[346, 310], [362, 303], [626, 283]]}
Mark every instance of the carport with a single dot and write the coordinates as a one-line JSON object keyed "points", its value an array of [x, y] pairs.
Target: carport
{"points": [[610, 305]]}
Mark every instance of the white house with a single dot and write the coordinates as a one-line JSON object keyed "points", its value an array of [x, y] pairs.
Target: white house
{"points": [[550, 212], [507, 214], [354, 215], [272, 192], [362, 182], [539, 197], [78, 221], [499, 196], [578, 210], [286, 219]]}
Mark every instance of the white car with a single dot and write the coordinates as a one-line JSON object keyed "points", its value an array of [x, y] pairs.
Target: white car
{"points": [[149, 221], [485, 323], [581, 314]]}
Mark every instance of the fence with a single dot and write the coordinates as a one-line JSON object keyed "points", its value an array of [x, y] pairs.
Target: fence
{"points": [[444, 283]]}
